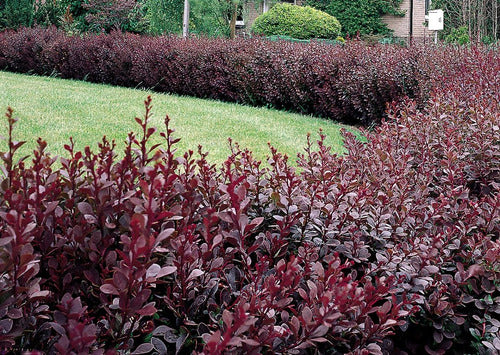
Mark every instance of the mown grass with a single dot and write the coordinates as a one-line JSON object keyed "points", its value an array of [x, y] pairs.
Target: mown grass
{"points": [[57, 109]]}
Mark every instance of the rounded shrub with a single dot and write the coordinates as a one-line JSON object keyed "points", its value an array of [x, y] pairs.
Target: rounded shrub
{"points": [[297, 22]]}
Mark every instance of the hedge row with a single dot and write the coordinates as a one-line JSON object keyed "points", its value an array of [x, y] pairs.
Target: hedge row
{"points": [[349, 83], [392, 248]]}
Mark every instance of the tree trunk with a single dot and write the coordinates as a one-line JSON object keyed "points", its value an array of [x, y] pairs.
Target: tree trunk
{"points": [[494, 16], [232, 24], [185, 20]]}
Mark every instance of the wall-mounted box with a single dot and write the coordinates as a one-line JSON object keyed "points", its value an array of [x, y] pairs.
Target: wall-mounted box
{"points": [[436, 20]]}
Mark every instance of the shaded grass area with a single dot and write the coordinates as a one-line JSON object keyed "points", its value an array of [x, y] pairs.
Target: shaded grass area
{"points": [[57, 109]]}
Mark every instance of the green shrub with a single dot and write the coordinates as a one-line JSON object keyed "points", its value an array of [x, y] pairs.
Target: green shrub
{"points": [[458, 36], [488, 40], [297, 22]]}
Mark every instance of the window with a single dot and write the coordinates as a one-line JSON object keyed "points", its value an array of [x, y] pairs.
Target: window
{"points": [[240, 23]]}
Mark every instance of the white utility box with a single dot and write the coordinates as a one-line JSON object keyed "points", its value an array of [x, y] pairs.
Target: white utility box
{"points": [[436, 20]]}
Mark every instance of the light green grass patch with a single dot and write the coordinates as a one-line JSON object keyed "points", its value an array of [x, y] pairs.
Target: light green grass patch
{"points": [[57, 109]]}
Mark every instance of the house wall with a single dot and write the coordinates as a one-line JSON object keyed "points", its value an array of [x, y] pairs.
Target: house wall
{"points": [[253, 11], [401, 25]]}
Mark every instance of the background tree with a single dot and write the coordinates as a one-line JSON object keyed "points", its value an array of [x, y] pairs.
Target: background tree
{"points": [[480, 17], [218, 17], [77, 11], [47, 13], [66, 14], [215, 17], [359, 16], [105, 15], [163, 16], [60, 12], [206, 18]]}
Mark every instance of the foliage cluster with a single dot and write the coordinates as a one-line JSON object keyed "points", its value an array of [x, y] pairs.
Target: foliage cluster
{"points": [[75, 15], [104, 16], [350, 83], [48, 13], [15, 13], [458, 36], [297, 22], [68, 15], [359, 16], [207, 17], [211, 18], [391, 248], [163, 16], [139, 16]]}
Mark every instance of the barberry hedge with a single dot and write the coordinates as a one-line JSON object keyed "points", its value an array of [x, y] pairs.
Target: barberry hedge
{"points": [[391, 248], [351, 83]]}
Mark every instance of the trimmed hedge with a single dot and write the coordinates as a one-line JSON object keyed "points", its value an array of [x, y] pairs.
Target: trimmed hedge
{"points": [[392, 248], [301, 22], [351, 83]]}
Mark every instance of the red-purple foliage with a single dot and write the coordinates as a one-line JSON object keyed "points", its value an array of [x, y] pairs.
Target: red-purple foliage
{"points": [[391, 248], [349, 83]]}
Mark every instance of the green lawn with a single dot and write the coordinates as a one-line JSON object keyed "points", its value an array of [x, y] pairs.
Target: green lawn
{"points": [[57, 109]]}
